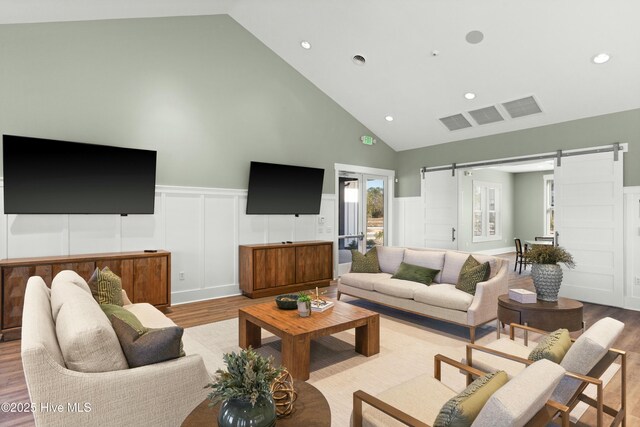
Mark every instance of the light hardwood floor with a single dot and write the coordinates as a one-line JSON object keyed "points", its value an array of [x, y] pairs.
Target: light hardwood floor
{"points": [[13, 387]]}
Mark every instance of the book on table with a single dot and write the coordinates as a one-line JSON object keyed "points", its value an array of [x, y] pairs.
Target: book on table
{"points": [[320, 305]]}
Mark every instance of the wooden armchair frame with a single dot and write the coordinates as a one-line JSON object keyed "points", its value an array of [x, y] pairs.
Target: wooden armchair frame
{"points": [[592, 377], [550, 411]]}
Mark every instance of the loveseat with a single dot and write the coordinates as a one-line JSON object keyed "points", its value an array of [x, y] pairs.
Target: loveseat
{"points": [[440, 300], [76, 371]]}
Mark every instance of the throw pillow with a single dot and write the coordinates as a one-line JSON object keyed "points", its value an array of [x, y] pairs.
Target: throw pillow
{"points": [[415, 273], [462, 409], [154, 346], [552, 347], [124, 315], [367, 263], [471, 273], [106, 287]]}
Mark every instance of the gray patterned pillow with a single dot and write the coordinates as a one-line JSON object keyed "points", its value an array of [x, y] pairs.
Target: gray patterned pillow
{"points": [[365, 263], [462, 409], [471, 273], [106, 287]]}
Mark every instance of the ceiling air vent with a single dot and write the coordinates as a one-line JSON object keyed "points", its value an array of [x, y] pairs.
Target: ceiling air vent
{"points": [[486, 115], [522, 107], [455, 122]]}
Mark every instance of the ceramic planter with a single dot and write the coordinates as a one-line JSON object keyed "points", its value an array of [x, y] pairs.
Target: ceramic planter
{"points": [[547, 279], [304, 308], [240, 413]]}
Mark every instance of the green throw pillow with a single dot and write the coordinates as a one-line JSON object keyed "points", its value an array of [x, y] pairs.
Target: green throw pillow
{"points": [[552, 347], [462, 409], [124, 315], [365, 263], [415, 273], [106, 287], [154, 346], [471, 273]]}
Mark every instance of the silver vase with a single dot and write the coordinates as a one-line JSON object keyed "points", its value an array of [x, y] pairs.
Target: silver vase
{"points": [[547, 279]]}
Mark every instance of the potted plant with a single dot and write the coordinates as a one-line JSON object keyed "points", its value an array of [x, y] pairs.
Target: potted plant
{"points": [[546, 273], [304, 304], [245, 390]]}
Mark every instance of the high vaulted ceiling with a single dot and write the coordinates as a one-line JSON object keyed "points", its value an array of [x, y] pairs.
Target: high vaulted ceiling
{"points": [[540, 48]]}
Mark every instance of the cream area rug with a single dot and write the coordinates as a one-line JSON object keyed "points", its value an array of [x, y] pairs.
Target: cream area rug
{"points": [[407, 346]]}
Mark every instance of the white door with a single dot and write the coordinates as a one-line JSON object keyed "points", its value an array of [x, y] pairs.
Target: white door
{"points": [[440, 195], [589, 224]]}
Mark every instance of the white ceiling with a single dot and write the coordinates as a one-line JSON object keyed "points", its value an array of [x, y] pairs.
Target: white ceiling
{"points": [[541, 48]]}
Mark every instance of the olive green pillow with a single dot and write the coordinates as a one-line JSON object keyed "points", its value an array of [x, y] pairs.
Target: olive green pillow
{"points": [[365, 263], [462, 409], [415, 273], [471, 273], [552, 347], [124, 315], [106, 287], [154, 346]]}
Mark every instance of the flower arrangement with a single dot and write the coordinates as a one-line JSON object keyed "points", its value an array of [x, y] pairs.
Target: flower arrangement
{"points": [[547, 254], [248, 377]]}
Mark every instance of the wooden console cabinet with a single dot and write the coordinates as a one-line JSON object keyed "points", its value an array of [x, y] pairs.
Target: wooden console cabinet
{"points": [[278, 268], [146, 277]]}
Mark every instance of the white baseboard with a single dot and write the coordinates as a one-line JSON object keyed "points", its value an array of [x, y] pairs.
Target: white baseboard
{"points": [[183, 297], [497, 251]]}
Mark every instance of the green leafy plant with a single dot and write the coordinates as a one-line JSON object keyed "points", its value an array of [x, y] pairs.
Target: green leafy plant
{"points": [[248, 376], [304, 297], [547, 254]]}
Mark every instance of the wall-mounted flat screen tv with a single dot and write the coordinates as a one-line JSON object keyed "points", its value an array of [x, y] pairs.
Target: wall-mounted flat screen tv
{"points": [[44, 176], [284, 190]]}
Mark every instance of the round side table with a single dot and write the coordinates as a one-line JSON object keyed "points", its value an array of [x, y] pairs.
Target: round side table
{"points": [[545, 315], [311, 409]]}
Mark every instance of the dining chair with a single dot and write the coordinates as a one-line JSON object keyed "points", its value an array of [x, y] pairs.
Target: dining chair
{"points": [[521, 256]]}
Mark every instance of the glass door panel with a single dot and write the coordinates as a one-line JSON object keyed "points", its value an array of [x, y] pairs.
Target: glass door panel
{"points": [[349, 216], [375, 213]]}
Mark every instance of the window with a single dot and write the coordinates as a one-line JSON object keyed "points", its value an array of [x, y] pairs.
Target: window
{"points": [[549, 202], [487, 224]]}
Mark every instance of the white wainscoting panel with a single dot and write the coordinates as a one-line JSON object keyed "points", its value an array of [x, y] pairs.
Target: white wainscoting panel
{"points": [[201, 227], [408, 221], [94, 234], [632, 247]]}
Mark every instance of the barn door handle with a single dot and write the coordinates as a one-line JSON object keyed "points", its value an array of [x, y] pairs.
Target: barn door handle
{"points": [[453, 234], [556, 239]]}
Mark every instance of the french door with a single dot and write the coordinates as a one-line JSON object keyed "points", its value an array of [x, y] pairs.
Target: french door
{"points": [[589, 225], [363, 201]]}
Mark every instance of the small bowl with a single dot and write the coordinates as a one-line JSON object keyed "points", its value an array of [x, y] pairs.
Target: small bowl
{"points": [[287, 301]]}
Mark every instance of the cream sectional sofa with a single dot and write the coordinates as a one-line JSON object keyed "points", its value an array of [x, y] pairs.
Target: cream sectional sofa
{"points": [[76, 371], [440, 300]]}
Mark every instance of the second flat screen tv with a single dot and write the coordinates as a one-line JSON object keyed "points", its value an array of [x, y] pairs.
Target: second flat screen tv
{"points": [[43, 176], [284, 190]]}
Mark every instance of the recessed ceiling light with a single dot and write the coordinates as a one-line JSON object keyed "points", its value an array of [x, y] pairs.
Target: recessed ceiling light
{"points": [[601, 58], [469, 95], [305, 44], [474, 37], [389, 118]]}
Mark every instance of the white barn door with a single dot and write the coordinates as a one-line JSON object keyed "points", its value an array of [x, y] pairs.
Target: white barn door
{"points": [[440, 195], [589, 224]]}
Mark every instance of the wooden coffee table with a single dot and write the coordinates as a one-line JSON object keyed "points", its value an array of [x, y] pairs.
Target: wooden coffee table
{"points": [[545, 315], [310, 409], [297, 332]]}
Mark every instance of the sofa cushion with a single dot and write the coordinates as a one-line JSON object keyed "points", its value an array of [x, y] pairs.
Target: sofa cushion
{"points": [[426, 258], [72, 277], [520, 399], [153, 346], [471, 273], [552, 347], [87, 339], [106, 286], [367, 263], [444, 295], [63, 292], [390, 258], [585, 352], [415, 273], [462, 409], [397, 288]]}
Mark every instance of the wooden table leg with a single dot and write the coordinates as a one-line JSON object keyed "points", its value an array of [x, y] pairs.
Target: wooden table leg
{"points": [[249, 334], [368, 337], [296, 355]]}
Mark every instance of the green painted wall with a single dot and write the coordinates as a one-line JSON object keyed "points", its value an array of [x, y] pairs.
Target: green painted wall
{"points": [[590, 132], [529, 204], [465, 203], [202, 91]]}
